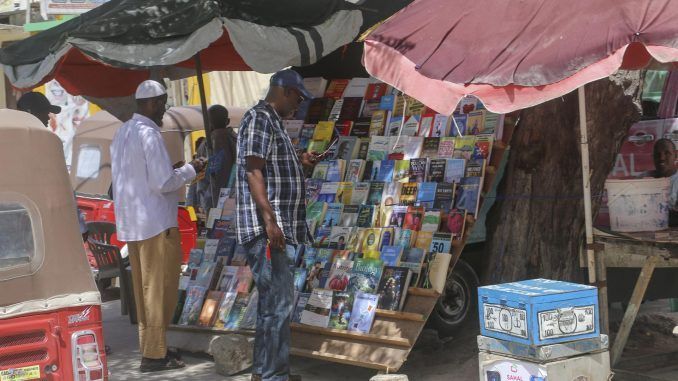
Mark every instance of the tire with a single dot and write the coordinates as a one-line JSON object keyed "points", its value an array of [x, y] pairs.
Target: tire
{"points": [[458, 305]]}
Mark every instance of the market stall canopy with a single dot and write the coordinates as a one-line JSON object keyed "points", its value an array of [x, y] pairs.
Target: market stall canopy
{"points": [[106, 52], [514, 55]]}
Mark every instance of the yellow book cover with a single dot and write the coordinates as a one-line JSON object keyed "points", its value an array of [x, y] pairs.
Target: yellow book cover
{"points": [[424, 240], [378, 123], [371, 239], [344, 192], [324, 131]]}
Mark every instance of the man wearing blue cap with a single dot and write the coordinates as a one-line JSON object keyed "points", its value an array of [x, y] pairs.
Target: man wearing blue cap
{"points": [[271, 204]]}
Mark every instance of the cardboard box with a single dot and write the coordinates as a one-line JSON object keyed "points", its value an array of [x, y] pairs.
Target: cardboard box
{"points": [[538, 311]]}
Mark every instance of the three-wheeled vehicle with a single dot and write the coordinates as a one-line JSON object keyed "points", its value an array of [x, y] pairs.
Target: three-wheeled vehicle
{"points": [[50, 309]]}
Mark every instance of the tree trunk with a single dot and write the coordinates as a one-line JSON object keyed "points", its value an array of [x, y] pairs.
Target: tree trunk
{"points": [[536, 227]]}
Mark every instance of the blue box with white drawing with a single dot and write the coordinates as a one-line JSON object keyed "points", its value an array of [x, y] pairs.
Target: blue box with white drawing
{"points": [[538, 311]]}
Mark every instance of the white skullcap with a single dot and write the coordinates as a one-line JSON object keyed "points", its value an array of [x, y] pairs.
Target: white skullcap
{"points": [[150, 89]]}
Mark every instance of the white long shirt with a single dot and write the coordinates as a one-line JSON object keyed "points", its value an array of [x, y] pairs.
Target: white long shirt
{"points": [[145, 187]]}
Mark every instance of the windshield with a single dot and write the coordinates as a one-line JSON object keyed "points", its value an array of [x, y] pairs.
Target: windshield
{"points": [[16, 235]]}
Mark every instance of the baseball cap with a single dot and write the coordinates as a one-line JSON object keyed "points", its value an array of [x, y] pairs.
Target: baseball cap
{"points": [[290, 78], [34, 101], [150, 89]]}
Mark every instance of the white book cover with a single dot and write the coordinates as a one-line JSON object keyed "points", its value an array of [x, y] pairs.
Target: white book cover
{"points": [[316, 86], [356, 87], [360, 193], [213, 215], [317, 310]]}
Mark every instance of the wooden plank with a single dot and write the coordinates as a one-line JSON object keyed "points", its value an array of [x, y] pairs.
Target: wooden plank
{"points": [[418, 291], [400, 315], [389, 340], [601, 275], [210, 330], [632, 310], [337, 358]]}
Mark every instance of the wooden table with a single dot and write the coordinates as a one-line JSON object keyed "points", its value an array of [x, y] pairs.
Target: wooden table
{"points": [[645, 250]]}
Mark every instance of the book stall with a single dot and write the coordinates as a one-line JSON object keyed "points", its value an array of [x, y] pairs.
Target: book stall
{"points": [[390, 208]]}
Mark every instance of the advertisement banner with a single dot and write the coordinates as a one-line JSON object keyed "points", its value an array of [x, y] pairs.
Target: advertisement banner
{"points": [[69, 7]]}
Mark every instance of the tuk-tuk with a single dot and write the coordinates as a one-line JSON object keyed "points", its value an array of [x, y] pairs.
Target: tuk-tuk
{"points": [[50, 309], [91, 165]]}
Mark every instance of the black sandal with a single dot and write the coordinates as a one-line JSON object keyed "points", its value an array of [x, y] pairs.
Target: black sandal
{"points": [[158, 365]]}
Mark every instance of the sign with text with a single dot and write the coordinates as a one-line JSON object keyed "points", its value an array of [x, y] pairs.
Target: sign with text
{"points": [[69, 7]]}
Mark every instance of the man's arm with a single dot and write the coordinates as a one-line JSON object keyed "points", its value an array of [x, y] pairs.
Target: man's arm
{"points": [[161, 176], [257, 185]]}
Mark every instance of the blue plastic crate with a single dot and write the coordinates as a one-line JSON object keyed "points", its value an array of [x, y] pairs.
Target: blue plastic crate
{"points": [[538, 311]]}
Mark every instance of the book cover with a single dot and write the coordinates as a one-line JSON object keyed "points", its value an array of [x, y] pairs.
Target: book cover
{"points": [[332, 214], [371, 238], [493, 124], [396, 216], [444, 197], [387, 102], [195, 296], [437, 271], [349, 218], [446, 147], [228, 208], [340, 272], [343, 127], [213, 215], [221, 228], [361, 192], [375, 91], [313, 187], [317, 309], [315, 213], [237, 311], [347, 148], [225, 250], [455, 170], [224, 193], [307, 131], [483, 147], [351, 108], [468, 194], [378, 123], [441, 243], [299, 306], [363, 312], [458, 125], [440, 126], [393, 287], [249, 319], [401, 172], [205, 275], [336, 88], [336, 170], [408, 193], [413, 147], [320, 171], [454, 223], [390, 255], [195, 257], [418, 170], [335, 112], [300, 275], [319, 109], [339, 236], [345, 192], [294, 254], [414, 260], [340, 313], [224, 309], [363, 148], [316, 86], [228, 279], [239, 256], [475, 168], [210, 250], [430, 147], [414, 218], [293, 127], [411, 125], [369, 107], [397, 145], [310, 254], [357, 87], [365, 275], [464, 146], [468, 104], [394, 125], [376, 193], [361, 128], [356, 169], [391, 193], [436, 170], [387, 236], [322, 236], [244, 280], [379, 148], [328, 192], [426, 194], [385, 171], [405, 237], [317, 146], [475, 122], [426, 124], [210, 308]]}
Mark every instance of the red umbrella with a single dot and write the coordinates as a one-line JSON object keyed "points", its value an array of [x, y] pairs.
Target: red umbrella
{"points": [[516, 54]]}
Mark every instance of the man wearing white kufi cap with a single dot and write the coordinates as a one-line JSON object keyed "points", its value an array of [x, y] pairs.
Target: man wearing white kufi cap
{"points": [[146, 190]]}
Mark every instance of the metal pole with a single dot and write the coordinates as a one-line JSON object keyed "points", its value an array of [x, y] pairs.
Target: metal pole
{"points": [[586, 178], [208, 127]]}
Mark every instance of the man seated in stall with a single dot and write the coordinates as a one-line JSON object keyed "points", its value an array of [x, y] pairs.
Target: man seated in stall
{"points": [[664, 156]]}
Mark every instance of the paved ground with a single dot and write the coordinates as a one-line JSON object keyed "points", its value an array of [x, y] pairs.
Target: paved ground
{"points": [[431, 359]]}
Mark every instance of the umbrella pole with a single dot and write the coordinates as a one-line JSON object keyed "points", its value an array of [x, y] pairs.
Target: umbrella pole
{"points": [[206, 122]]}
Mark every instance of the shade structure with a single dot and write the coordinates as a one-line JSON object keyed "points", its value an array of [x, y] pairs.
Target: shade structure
{"points": [[514, 55], [106, 52]]}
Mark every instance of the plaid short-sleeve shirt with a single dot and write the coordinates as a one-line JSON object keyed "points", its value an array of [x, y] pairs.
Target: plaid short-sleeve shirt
{"points": [[262, 135]]}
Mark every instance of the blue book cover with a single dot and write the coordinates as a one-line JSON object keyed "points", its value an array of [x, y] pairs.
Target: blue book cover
{"points": [[363, 312], [335, 172], [412, 255], [454, 170], [426, 194], [468, 193], [225, 250], [310, 254], [391, 255], [385, 171], [322, 236], [333, 214], [460, 120], [387, 102], [300, 278], [365, 275]]}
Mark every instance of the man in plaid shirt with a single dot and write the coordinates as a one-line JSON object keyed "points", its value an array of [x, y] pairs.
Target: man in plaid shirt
{"points": [[271, 204]]}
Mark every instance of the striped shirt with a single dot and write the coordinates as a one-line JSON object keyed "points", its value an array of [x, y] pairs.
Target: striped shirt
{"points": [[262, 135]]}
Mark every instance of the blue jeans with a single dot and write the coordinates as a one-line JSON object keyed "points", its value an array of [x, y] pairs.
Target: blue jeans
{"points": [[275, 283]]}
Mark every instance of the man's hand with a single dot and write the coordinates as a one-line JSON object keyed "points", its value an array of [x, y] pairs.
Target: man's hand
{"points": [[309, 160], [275, 236], [198, 164]]}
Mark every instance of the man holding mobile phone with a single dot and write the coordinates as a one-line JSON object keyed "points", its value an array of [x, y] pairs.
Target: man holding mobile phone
{"points": [[271, 204]]}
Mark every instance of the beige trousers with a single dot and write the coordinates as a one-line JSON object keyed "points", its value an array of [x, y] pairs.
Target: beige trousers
{"points": [[156, 264]]}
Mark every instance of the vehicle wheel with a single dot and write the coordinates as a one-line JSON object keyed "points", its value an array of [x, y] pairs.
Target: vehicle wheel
{"points": [[458, 305], [103, 284]]}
